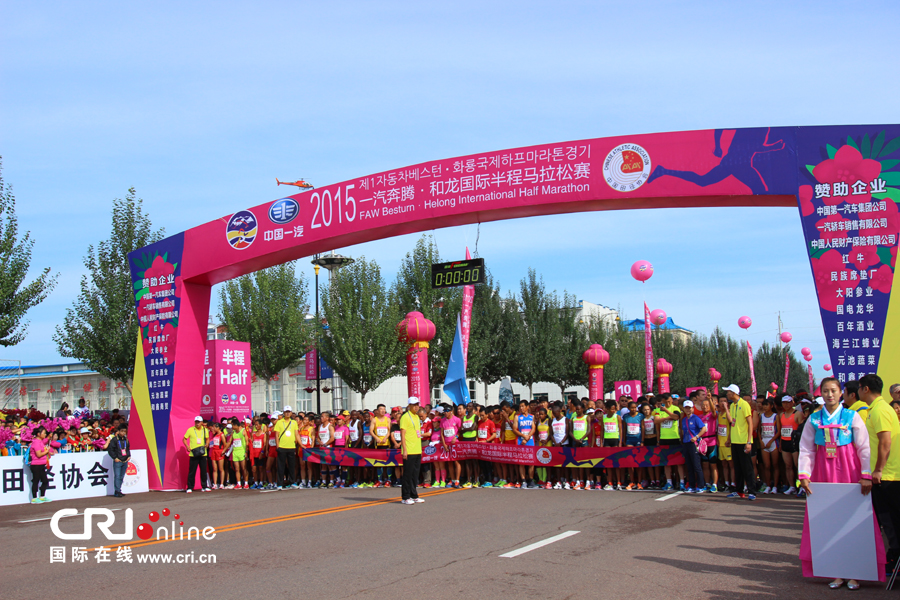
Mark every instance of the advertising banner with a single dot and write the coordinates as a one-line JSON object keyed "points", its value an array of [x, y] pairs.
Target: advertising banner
{"points": [[752, 370], [648, 349], [230, 379], [556, 456], [73, 475], [628, 388]]}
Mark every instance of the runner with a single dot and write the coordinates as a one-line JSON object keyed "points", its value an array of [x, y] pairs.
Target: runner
{"points": [[216, 459], [450, 427], [341, 437], [440, 466], [711, 438], [768, 426], [308, 477], [650, 437], [487, 434], [469, 432], [258, 452], [239, 454], [612, 438], [633, 439], [667, 416], [523, 426], [789, 427], [381, 431], [544, 440], [272, 455], [507, 472], [723, 438], [325, 439], [581, 435]]}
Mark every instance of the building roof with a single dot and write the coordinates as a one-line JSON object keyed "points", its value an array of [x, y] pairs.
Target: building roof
{"points": [[638, 325]]}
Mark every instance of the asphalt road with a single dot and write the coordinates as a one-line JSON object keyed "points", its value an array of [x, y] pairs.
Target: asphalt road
{"points": [[364, 544]]}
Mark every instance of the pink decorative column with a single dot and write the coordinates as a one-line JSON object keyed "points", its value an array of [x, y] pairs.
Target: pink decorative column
{"points": [[664, 368], [715, 377], [417, 331], [595, 357]]}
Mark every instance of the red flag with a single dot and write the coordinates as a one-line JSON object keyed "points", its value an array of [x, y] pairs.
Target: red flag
{"points": [[752, 371], [648, 349], [787, 370]]}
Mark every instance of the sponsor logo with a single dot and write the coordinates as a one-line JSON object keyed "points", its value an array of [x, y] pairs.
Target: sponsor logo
{"points": [[429, 450], [174, 530], [241, 230], [206, 400], [626, 167], [284, 211], [544, 456], [224, 398]]}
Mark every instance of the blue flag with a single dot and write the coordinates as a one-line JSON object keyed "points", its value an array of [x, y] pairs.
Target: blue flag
{"points": [[455, 384]]}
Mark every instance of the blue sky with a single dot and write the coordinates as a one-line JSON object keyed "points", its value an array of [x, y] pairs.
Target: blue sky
{"points": [[201, 105]]}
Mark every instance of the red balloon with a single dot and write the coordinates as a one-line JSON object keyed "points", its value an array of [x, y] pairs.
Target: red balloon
{"points": [[642, 270], [786, 337], [745, 322]]}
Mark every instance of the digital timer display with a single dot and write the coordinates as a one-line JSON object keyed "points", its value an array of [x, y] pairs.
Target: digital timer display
{"points": [[460, 272]]}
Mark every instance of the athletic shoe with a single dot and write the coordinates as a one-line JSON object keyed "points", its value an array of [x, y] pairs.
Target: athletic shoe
{"points": [[608, 488], [246, 487], [751, 497], [207, 490], [801, 493], [629, 487], [733, 495], [713, 489], [765, 490], [507, 486], [567, 486], [558, 486], [330, 485], [702, 491], [548, 486], [639, 487], [668, 487], [476, 485], [467, 485], [790, 491], [36, 500], [408, 501], [488, 484], [45, 499], [188, 491], [518, 485], [427, 485], [620, 487], [501, 483], [418, 500], [577, 485]]}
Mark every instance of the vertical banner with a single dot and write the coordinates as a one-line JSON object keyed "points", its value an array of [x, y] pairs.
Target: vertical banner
{"points": [[752, 370], [466, 317], [628, 388], [208, 389], [787, 371], [311, 356], [811, 381], [648, 349], [230, 370]]}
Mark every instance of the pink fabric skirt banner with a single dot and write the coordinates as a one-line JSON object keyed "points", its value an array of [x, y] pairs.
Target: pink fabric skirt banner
{"points": [[556, 456], [752, 370]]}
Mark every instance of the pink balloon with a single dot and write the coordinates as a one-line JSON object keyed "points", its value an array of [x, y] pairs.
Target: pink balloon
{"points": [[808, 358], [642, 270], [745, 322], [805, 351], [826, 367], [786, 337], [658, 316]]}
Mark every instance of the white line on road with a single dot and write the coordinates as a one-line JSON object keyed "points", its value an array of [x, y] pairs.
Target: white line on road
{"points": [[48, 518], [540, 544], [668, 497]]}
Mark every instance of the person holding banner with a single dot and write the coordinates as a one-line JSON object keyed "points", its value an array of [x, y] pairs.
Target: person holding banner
{"points": [[411, 450], [834, 448]]}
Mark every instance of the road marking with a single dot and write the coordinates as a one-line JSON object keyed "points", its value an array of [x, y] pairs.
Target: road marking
{"points": [[668, 497], [63, 517], [292, 517], [540, 544]]}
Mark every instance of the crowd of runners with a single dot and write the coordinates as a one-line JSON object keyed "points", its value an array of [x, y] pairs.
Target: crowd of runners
{"points": [[731, 443]]}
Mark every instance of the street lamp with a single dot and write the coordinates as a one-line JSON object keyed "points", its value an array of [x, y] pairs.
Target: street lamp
{"points": [[332, 262]]}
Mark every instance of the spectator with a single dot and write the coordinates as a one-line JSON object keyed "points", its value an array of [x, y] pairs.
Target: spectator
{"points": [[740, 415], [40, 457], [895, 392], [195, 442], [120, 451], [82, 412], [884, 446], [61, 413]]}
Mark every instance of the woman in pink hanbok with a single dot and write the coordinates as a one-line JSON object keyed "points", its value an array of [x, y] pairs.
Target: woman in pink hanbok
{"points": [[834, 448]]}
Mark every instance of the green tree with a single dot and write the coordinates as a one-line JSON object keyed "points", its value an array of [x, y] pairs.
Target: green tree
{"points": [[361, 343], [101, 327], [539, 316], [414, 293], [15, 260], [492, 342], [268, 309], [568, 340]]}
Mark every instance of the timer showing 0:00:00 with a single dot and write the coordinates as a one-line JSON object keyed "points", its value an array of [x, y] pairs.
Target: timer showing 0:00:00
{"points": [[451, 274]]}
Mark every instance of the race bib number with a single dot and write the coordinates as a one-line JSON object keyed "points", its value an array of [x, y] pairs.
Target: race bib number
{"points": [[668, 424], [449, 432], [579, 426], [257, 444], [338, 435], [354, 434], [304, 439], [768, 429], [216, 442], [787, 432], [238, 443], [611, 427], [649, 426], [543, 435], [482, 434], [323, 436], [397, 436], [723, 431], [367, 439], [272, 442], [381, 431], [633, 428]]}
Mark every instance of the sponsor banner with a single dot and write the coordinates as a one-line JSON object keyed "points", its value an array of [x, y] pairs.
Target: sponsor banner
{"points": [[557, 456], [72, 475], [752, 370], [648, 349]]}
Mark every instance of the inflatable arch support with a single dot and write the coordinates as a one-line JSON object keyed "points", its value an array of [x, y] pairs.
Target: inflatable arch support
{"points": [[844, 180]]}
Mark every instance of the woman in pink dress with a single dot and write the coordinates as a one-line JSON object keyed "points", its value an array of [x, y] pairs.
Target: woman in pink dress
{"points": [[834, 448]]}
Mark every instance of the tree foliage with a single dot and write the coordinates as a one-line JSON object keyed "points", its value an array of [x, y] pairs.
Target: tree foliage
{"points": [[101, 327], [362, 314], [268, 309], [17, 297]]}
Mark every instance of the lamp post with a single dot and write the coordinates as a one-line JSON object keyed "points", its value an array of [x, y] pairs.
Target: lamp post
{"points": [[332, 262]]}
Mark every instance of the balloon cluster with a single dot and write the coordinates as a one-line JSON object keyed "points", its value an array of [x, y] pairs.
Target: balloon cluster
{"points": [[807, 355]]}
